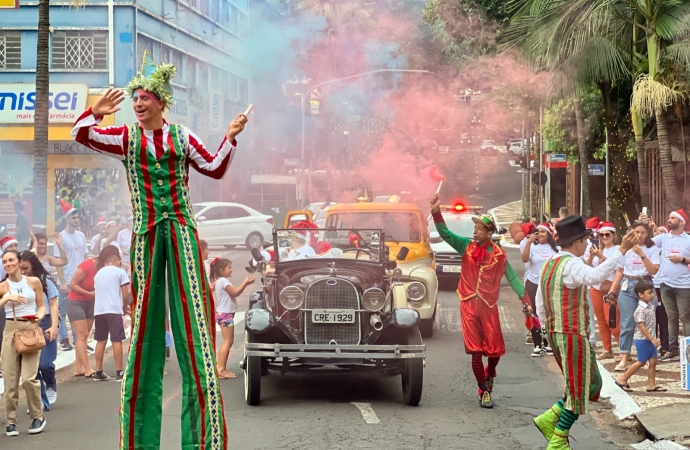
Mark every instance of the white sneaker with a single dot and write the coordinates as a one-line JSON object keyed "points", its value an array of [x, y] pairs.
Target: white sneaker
{"points": [[538, 352], [52, 395]]}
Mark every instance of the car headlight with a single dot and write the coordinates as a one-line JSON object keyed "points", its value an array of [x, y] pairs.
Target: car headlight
{"points": [[416, 291], [291, 297], [374, 299]]}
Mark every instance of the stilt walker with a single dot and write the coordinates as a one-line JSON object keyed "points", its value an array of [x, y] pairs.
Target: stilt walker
{"points": [[483, 266], [157, 156], [562, 305]]}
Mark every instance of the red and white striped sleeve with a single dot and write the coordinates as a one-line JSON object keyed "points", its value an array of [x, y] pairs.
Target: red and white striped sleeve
{"points": [[108, 140], [214, 166]]}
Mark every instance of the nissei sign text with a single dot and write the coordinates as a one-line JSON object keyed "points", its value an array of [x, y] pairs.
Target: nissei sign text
{"points": [[65, 102], [216, 113]]}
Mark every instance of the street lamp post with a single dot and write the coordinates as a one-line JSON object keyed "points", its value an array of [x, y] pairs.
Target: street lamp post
{"points": [[309, 91]]}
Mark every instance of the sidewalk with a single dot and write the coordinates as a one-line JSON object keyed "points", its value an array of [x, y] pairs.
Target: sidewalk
{"points": [[66, 359]]}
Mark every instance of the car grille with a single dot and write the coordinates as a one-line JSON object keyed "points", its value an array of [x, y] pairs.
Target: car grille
{"points": [[448, 259], [332, 293]]}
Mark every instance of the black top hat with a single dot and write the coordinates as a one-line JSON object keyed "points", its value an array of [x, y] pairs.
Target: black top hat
{"points": [[570, 230]]}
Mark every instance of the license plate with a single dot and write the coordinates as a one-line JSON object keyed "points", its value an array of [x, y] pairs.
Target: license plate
{"points": [[455, 269], [333, 316]]}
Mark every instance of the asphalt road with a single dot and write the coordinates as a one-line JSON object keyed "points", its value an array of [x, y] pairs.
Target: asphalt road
{"points": [[317, 411]]}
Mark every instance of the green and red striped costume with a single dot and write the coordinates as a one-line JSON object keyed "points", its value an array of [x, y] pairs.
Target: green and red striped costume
{"points": [[567, 325], [164, 238]]}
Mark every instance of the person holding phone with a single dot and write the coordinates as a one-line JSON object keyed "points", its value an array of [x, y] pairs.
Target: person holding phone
{"points": [[538, 248], [641, 263], [22, 299], [597, 255]]}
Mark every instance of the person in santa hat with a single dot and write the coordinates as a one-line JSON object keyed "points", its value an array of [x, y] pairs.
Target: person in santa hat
{"points": [[314, 242], [74, 245], [483, 266], [597, 255], [660, 311], [674, 279], [299, 249]]}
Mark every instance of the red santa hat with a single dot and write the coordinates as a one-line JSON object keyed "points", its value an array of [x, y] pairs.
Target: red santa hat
{"points": [[662, 228], [680, 214], [67, 209], [101, 221], [305, 235], [7, 241], [528, 228], [606, 226], [545, 226], [593, 223]]}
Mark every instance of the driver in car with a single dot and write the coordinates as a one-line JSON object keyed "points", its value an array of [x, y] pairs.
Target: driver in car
{"points": [[298, 247]]}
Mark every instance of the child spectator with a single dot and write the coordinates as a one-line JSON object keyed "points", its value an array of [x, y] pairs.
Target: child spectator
{"points": [[112, 301], [225, 295], [645, 339]]}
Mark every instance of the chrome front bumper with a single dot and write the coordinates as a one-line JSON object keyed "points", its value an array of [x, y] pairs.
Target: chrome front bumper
{"points": [[335, 351]]}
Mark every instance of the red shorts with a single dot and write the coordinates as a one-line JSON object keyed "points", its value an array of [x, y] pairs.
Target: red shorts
{"points": [[481, 328]]}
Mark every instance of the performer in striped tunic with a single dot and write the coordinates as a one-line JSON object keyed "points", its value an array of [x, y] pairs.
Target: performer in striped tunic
{"points": [[157, 156], [562, 306]]}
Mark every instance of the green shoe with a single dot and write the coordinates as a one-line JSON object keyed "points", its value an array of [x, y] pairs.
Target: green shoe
{"points": [[559, 440], [547, 421]]}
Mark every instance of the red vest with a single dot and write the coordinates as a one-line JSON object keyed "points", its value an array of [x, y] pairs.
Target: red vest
{"points": [[482, 280]]}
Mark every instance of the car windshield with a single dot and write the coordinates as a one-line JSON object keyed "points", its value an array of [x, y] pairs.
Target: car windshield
{"points": [[198, 208], [348, 243], [399, 226], [461, 227], [322, 214], [488, 142]]}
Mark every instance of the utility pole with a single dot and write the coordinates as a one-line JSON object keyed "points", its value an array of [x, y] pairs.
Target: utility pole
{"points": [[608, 179]]}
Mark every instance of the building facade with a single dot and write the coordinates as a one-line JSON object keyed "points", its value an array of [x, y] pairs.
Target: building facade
{"points": [[102, 45]]}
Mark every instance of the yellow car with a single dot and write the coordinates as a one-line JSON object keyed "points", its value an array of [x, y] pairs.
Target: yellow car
{"points": [[404, 225]]}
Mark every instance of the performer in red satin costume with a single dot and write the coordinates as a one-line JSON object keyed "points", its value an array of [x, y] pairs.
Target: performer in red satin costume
{"points": [[483, 265]]}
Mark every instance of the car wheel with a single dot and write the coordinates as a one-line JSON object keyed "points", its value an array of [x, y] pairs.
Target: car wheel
{"points": [[229, 247], [252, 376], [413, 372], [254, 240], [426, 326]]}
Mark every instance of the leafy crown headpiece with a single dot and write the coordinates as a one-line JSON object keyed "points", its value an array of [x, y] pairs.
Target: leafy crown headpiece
{"points": [[155, 79]]}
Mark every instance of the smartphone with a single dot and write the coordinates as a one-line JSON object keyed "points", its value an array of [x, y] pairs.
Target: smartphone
{"points": [[248, 110], [644, 210], [595, 242]]}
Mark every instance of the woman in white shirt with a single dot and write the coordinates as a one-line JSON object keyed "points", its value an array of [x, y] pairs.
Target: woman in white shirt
{"points": [[538, 248], [641, 264], [607, 247], [22, 299]]}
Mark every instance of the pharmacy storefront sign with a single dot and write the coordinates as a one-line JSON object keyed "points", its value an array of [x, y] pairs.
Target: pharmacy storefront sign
{"points": [[66, 102]]}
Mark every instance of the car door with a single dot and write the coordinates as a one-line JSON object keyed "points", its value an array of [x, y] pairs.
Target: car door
{"points": [[238, 224], [210, 225]]}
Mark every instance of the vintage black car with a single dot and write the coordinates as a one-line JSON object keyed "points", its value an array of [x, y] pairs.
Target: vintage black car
{"points": [[338, 311]]}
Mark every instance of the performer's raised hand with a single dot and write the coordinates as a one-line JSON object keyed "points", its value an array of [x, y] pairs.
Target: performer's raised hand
{"points": [[435, 203], [236, 127], [628, 242], [107, 104]]}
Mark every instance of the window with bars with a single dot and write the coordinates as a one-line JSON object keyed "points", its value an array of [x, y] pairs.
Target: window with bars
{"points": [[242, 26], [10, 50], [80, 50], [225, 13], [214, 13], [234, 18], [204, 6]]}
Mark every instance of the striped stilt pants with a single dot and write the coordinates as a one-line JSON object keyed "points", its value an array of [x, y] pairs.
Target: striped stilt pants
{"points": [[174, 247]]}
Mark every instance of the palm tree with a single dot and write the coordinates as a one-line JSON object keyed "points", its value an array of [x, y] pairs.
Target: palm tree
{"points": [[665, 24], [584, 42], [41, 116]]}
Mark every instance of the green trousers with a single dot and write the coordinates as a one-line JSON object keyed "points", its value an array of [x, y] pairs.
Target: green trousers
{"points": [[173, 247]]}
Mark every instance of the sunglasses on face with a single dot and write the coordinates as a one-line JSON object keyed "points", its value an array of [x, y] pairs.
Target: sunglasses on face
{"points": [[605, 235]]}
